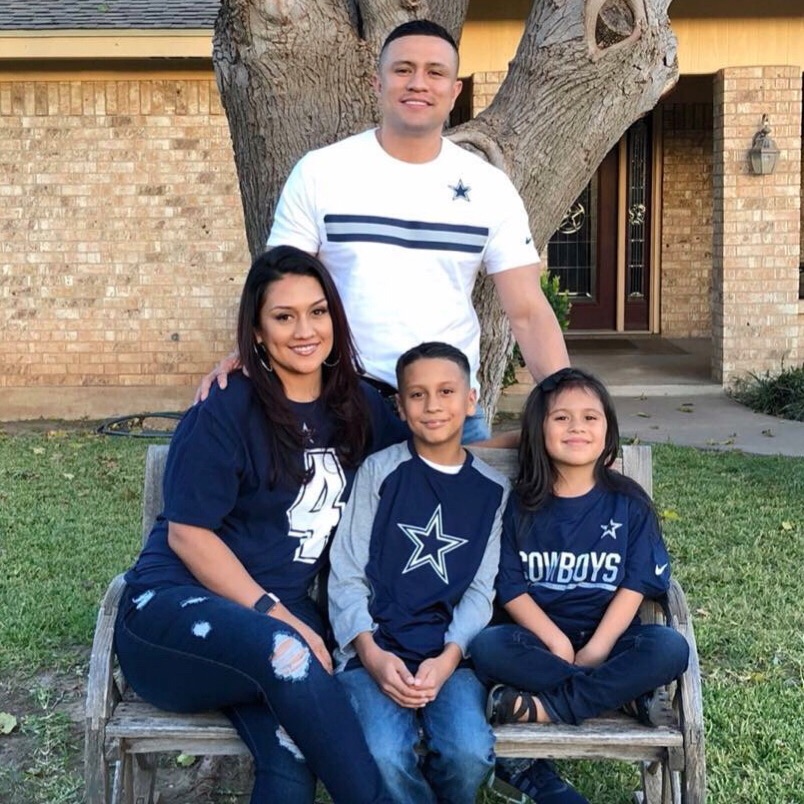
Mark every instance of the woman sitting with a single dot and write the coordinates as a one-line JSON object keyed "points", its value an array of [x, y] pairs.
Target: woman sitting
{"points": [[217, 611]]}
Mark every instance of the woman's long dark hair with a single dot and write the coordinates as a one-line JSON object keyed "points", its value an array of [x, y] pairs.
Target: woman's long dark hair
{"points": [[340, 391], [537, 474]]}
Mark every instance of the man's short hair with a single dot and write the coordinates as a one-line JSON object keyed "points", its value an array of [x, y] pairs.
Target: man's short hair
{"points": [[432, 350], [419, 28]]}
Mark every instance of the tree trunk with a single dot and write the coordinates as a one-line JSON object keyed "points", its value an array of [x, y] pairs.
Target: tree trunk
{"points": [[295, 75]]}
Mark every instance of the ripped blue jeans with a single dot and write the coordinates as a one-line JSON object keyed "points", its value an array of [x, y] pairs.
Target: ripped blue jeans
{"points": [[185, 649]]}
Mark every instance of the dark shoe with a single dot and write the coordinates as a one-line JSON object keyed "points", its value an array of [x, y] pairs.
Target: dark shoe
{"points": [[501, 706], [539, 781], [652, 709]]}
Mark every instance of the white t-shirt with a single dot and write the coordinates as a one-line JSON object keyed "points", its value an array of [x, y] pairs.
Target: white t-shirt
{"points": [[404, 242]]}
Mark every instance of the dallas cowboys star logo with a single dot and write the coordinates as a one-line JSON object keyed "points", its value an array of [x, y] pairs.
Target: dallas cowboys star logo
{"points": [[427, 541], [460, 190], [610, 529]]}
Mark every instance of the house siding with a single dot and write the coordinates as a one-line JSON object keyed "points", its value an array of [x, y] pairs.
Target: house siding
{"points": [[757, 223], [686, 241], [122, 237]]}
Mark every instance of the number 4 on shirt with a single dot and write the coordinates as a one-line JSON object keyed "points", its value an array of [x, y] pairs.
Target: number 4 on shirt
{"points": [[317, 509]]}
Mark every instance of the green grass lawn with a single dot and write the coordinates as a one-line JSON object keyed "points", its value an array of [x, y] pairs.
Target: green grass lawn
{"points": [[69, 521]]}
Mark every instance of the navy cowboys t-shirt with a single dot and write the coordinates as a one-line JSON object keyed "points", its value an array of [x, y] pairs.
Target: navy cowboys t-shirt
{"points": [[216, 478], [574, 553]]}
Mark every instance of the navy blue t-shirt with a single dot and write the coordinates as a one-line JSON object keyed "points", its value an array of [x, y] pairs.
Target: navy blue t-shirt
{"points": [[217, 477], [415, 556], [573, 554]]}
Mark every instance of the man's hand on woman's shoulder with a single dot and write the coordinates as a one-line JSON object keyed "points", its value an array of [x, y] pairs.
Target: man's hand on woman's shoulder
{"points": [[220, 373]]}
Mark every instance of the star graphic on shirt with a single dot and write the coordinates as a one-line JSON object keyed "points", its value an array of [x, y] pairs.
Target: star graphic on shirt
{"points": [[432, 545], [308, 434], [610, 529], [460, 190]]}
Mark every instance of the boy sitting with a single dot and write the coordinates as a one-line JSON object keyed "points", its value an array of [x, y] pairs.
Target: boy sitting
{"points": [[413, 566]]}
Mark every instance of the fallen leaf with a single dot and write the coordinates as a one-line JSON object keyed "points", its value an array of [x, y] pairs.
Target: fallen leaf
{"points": [[670, 514], [644, 415], [788, 525], [38, 450], [185, 760], [68, 475], [7, 723], [686, 407], [768, 433]]}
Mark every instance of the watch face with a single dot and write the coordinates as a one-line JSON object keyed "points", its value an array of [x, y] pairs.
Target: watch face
{"points": [[263, 604]]}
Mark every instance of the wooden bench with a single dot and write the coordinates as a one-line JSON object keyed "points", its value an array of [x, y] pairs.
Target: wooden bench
{"points": [[124, 735]]}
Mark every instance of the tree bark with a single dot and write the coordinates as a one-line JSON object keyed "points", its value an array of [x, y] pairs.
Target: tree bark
{"points": [[296, 75]]}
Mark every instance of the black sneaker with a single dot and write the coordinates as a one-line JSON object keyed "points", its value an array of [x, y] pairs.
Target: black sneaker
{"points": [[538, 780], [652, 709]]}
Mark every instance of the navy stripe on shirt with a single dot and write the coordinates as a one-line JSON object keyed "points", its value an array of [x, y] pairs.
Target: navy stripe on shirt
{"points": [[406, 234]]}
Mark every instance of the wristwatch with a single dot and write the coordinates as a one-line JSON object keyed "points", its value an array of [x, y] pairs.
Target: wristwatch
{"points": [[266, 602]]}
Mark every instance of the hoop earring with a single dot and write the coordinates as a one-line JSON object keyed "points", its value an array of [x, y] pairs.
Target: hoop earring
{"points": [[333, 363], [262, 356]]}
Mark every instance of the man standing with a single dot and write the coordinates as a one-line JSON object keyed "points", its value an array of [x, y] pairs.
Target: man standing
{"points": [[404, 220]]}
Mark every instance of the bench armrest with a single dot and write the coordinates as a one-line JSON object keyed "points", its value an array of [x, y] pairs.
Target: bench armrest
{"points": [[102, 692], [689, 686]]}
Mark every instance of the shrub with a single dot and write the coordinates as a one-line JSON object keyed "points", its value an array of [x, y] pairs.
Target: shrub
{"points": [[780, 395], [559, 299]]}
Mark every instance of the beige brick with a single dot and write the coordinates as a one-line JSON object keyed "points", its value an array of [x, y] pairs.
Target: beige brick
{"points": [[113, 234], [757, 222]]}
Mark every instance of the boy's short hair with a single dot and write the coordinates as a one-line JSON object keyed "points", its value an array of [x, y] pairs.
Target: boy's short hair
{"points": [[419, 28], [432, 350]]}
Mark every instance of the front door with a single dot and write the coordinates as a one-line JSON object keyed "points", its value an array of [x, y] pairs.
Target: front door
{"points": [[601, 249]]}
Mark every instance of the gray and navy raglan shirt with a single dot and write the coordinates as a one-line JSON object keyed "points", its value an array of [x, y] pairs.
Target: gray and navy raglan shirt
{"points": [[415, 556]]}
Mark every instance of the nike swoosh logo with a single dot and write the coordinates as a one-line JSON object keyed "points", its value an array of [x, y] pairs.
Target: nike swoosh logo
{"points": [[659, 570]]}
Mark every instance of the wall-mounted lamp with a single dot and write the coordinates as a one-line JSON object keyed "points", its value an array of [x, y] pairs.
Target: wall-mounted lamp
{"points": [[764, 152]]}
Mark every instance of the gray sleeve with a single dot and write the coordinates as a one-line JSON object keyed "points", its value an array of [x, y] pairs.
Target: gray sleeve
{"points": [[474, 609], [348, 588]]}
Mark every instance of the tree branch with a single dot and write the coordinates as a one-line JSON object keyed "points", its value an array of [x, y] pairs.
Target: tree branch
{"points": [[481, 143]]}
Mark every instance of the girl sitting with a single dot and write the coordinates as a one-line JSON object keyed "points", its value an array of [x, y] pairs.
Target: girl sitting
{"points": [[581, 548]]}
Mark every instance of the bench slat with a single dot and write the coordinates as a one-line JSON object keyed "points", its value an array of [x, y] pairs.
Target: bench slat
{"points": [[146, 729], [137, 719]]}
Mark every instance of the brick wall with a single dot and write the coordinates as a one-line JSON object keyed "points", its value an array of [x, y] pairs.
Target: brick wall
{"points": [[123, 246], [686, 272], [757, 223], [484, 87]]}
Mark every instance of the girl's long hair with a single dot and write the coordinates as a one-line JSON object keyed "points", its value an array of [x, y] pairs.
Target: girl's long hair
{"points": [[341, 394], [537, 474]]}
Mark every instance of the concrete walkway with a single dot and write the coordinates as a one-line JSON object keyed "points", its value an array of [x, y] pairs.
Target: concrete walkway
{"points": [[682, 416], [713, 421], [663, 395]]}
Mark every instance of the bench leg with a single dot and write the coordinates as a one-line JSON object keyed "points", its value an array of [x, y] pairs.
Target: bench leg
{"points": [[660, 785], [96, 770], [144, 779], [117, 783], [126, 776]]}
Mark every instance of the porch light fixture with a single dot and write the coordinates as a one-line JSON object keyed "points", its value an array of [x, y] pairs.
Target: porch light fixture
{"points": [[764, 152]]}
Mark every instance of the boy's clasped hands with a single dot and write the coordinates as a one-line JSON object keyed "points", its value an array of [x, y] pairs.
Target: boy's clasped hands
{"points": [[393, 677]]}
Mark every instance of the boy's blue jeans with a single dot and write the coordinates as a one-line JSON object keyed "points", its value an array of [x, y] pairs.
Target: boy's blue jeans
{"points": [[643, 658], [185, 649], [459, 742]]}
